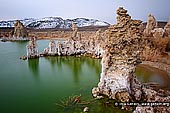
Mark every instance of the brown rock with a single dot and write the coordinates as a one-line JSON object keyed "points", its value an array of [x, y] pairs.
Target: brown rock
{"points": [[122, 49], [158, 32], [74, 28], [120, 59], [122, 96], [167, 28], [151, 24], [144, 109], [20, 30]]}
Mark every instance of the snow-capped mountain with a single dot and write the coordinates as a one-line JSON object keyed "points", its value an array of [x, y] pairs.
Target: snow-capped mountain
{"points": [[54, 22]]}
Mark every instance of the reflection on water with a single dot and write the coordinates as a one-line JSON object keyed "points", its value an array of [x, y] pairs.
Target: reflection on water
{"points": [[58, 77], [20, 44], [33, 65], [75, 64]]}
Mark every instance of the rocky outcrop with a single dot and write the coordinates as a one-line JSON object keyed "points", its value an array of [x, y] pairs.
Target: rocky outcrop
{"points": [[98, 44], [151, 24], [156, 44], [149, 109], [167, 28], [18, 34], [154, 101], [74, 28], [64, 48], [158, 32], [71, 47], [145, 109], [32, 49], [75, 45], [51, 49], [19, 30], [120, 59], [122, 54]]}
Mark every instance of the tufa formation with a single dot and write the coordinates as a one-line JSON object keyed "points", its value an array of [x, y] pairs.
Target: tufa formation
{"points": [[32, 49], [51, 49], [120, 59], [19, 30], [122, 54], [167, 28], [120, 51], [74, 28], [75, 45], [151, 24]]}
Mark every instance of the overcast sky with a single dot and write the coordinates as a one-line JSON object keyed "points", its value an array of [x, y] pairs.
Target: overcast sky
{"points": [[96, 9]]}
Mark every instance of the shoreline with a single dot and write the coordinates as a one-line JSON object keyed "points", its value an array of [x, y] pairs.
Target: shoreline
{"points": [[155, 72], [159, 65], [4, 39]]}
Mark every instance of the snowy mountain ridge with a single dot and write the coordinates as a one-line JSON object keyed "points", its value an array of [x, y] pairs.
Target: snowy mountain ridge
{"points": [[54, 22]]}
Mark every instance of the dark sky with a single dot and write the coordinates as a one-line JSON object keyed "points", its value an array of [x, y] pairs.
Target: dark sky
{"points": [[96, 9]]}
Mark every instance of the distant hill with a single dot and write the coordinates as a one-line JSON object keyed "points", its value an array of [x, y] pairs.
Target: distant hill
{"points": [[54, 22]]}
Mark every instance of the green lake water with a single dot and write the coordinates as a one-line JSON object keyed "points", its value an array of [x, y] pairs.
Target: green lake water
{"points": [[36, 85]]}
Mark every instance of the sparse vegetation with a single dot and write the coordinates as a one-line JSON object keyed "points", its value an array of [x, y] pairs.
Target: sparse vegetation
{"points": [[72, 103], [155, 48]]}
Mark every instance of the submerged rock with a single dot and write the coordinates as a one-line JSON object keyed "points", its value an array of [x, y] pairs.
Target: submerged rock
{"points": [[23, 57], [86, 109]]}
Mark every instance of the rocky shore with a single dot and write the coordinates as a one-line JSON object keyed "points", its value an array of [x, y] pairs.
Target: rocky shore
{"points": [[18, 34], [75, 45], [15, 39], [122, 54], [121, 47]]}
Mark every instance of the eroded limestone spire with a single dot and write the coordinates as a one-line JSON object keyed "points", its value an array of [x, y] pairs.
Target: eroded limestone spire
{"points": [[20, 30], [151, 24], [32, 49], [167, 28], [74, 28], [120, 58], [122, 54]]}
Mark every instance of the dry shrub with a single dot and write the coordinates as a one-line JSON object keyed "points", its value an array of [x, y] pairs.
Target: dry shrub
{"points": [[155, 48], [150, 54], [161, 44], [167, 48]]}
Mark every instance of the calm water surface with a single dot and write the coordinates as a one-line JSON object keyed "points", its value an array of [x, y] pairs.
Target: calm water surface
{"points": [[34, 86]]}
